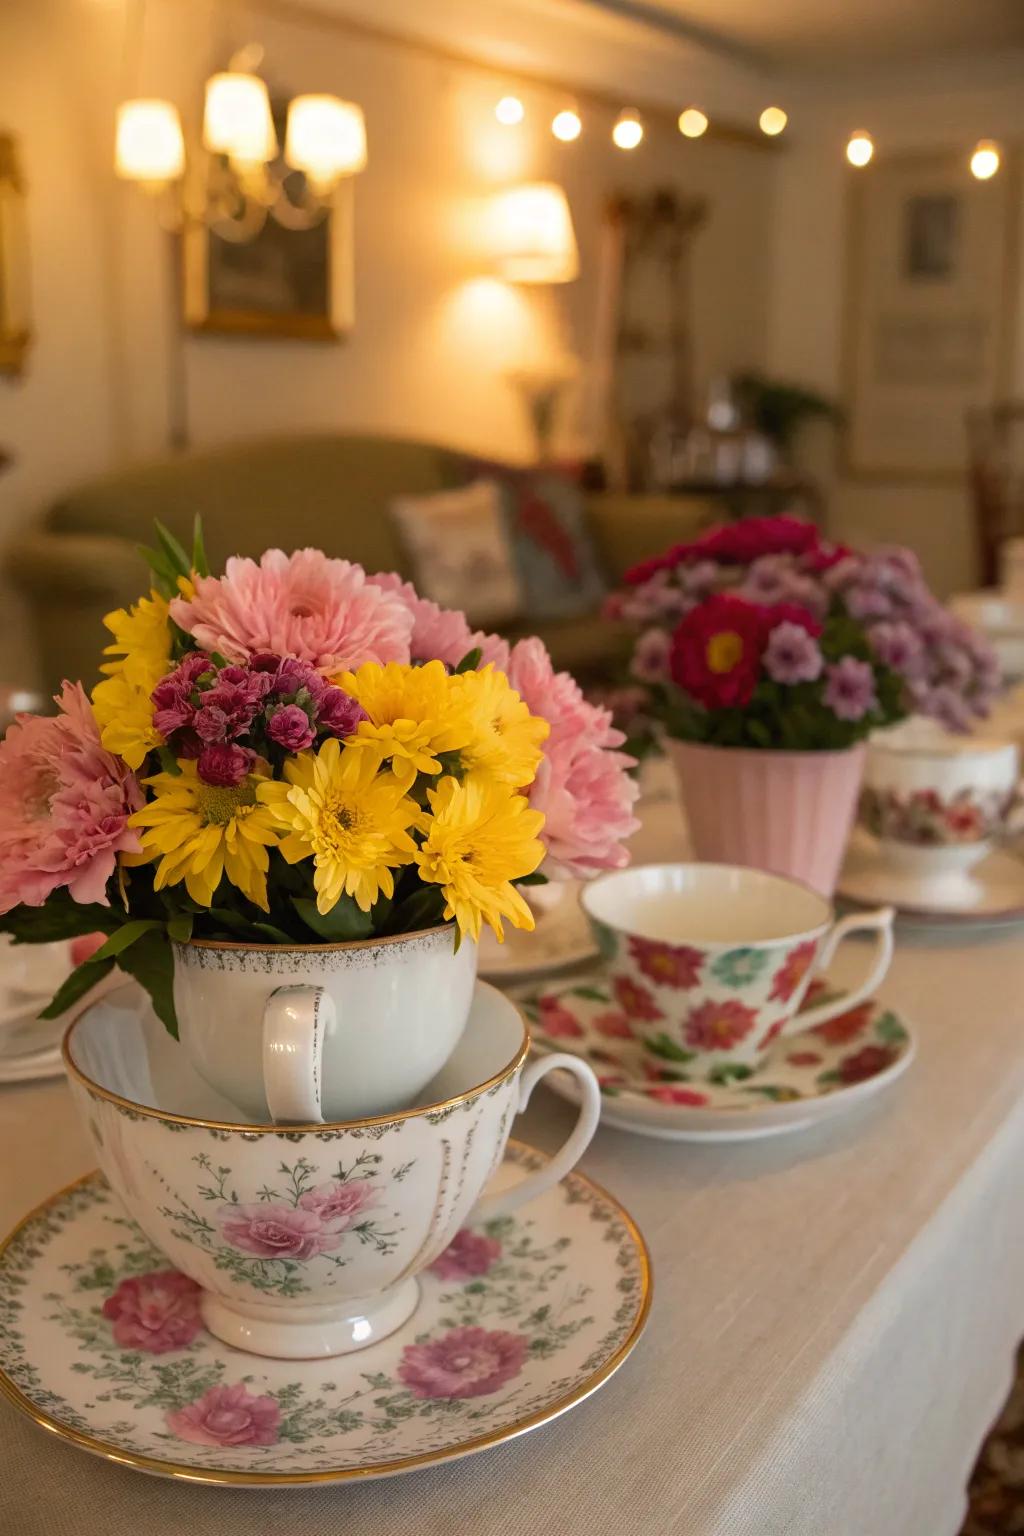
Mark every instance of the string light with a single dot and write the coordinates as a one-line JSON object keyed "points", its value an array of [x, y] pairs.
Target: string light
{"points": [[859, 148], [772, 121], [985, 159], [693, 122], [566, 125], [628, 131], [510, 111]]}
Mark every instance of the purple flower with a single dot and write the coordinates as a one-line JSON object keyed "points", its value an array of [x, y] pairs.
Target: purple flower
{"points": [[850, 690], [949, 707], [464, 1362], [792, 655], [468, 1255], [294, 675], [290, 727], [867, 602], [224, 764], [650, 658], [210, 723], [338, 713], [173, 710], [898, 646]]}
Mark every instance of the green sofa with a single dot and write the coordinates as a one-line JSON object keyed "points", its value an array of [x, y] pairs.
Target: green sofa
{"points": [[330, 490]]}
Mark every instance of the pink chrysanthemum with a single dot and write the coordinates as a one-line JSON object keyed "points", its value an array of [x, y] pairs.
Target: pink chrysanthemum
{"points": [[441, 634], [582, 785], [64, 806], [321, 611]]}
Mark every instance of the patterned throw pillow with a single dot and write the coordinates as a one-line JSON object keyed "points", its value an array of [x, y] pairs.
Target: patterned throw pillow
{"points": [[554, 553], [459, 552]]}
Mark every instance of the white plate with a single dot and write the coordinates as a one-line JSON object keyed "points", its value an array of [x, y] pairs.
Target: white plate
{"points": [[561, 939], [991, 894], [516, 1324], [34, 1067]]}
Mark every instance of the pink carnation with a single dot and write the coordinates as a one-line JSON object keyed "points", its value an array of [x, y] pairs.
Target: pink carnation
{"points": [[441, 634], [582, 786], [339, 1201], [227, 1416], [155, 1312], [305, 605], [271, 1230], [464, 1362], [64, 806]]}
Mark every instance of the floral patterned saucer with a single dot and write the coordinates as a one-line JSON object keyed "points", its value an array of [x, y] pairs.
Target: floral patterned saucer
{"points": [[806, 1078], [518, 1322]]}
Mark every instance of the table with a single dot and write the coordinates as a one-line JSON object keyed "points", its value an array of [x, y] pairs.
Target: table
{"points": [[834, 1320]]}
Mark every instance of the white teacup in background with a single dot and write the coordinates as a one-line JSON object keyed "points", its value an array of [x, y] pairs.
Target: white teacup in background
{"points": [[935, 801], [308, 1243], [710, 962], [323, 1032]]}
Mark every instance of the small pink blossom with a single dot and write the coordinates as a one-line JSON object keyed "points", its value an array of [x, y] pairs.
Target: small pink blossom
{"points": [[224, 763], [272, 1230], [227, 1416], [302, 605], [787, 979], [613, 1025], [155, 1312], [464, 1362], [64, 806], [339, 1201], [468, 1255], [558, 1021], [289, 726], [719, 1026]]}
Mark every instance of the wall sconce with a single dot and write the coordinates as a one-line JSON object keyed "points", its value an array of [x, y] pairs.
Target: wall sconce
{"points": [[533, 236]]}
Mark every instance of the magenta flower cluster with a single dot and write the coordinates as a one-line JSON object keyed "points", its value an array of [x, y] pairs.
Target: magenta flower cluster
{"points": [[226, 716]]}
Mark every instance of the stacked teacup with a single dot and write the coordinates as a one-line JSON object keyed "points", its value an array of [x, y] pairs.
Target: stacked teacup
{"points": [[304, 1171]]}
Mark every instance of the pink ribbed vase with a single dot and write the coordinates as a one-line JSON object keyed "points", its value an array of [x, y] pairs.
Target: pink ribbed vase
{"points": [[787, 812]]}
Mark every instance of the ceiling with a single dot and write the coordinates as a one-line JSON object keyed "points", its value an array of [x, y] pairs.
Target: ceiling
{"points": [[831, 34]]}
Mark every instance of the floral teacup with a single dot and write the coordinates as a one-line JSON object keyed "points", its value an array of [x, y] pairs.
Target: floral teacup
{"points": [[710, 962], [307, 1241]]}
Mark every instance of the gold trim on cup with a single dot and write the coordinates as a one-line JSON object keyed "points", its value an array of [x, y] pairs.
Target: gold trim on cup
{"points": [[288, 1127], [186, 1474]]}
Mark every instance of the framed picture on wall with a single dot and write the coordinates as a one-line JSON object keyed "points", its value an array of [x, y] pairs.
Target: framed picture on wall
{"points": [[281, 283], [930, 310], [15, 321]]}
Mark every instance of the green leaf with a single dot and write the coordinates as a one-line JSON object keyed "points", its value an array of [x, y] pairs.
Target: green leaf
{"points": [[125, 936], [535, 879], [470, 661], [172, 549], [179, 927], [61, 918], [151, 961], [75, 986], [343, 922], [166, 576], [889, 1029], [727, 1072], [200, 564], [275, 935], [423, 909], [661, 1045], [592, 994], [168, 762]]}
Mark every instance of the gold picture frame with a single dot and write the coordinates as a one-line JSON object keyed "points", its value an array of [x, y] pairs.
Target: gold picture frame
{"points": [[929, 311], [15, 303], [283, 283]]}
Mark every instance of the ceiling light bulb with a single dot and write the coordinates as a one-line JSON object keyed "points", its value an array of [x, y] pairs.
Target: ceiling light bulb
{"points": [[566, 125], [859, 148], [772, 121], [510, 111], [985, 159], [628, 131], [693, 122]]}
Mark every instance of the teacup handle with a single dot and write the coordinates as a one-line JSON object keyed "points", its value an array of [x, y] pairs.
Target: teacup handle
{"points": [[568, 1154], [879, 922], [296, 1021]]}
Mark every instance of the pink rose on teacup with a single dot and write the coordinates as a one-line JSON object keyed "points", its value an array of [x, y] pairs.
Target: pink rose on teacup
{"points": [[464, 1362], [339, 1201], [227, 1416], [156, 1312], [468, 1255], [271, 1230]]}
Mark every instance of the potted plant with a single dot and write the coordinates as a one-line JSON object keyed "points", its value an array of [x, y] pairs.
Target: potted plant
{"points": [[296, 788], [768, 655]]}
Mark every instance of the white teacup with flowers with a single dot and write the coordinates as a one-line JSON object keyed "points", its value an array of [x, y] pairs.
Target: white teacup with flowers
{"points": [[296, 790]]}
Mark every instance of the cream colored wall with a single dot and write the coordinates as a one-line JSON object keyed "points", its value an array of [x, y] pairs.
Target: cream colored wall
{"points": [[952, 107]]}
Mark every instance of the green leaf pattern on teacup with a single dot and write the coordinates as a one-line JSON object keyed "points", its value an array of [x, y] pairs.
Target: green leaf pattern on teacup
{"points": [[740, 967]]}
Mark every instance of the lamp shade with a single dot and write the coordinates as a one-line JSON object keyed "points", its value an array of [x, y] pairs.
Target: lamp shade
{"points": [[237, 121], [149, 145], [533, 236], [326, 138]]}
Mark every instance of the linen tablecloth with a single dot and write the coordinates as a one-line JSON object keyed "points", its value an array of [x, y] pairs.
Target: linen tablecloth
{"points": [[834, 1319]]}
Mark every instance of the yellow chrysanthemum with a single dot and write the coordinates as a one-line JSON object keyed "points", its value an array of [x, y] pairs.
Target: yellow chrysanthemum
{"points": [[142, 656], [415, 713], [481, 836], [505, 744], [202, 831], [352, 818]]}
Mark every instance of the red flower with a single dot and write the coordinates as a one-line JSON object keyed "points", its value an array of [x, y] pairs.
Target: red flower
{"points": [[155, 1312], [667, 1094], [635, 1000], [719, 1026], [826, 556], [845, 1026], [803, 1058], [792, 971], [556, 1020], [613, 1025], [966, 821], [792, 613], [865, 1063], [672, 965], [774, 1032], [739, 543], [716, 651]]}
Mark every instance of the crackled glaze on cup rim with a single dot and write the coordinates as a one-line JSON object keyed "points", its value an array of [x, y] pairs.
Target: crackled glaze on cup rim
{"points": [[815, 931], [327, 946], [97, 1090]]}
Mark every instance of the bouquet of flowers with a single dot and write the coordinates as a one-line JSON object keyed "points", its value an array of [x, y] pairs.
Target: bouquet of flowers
{"points": [[297, 752], [761, 634]]}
